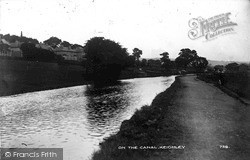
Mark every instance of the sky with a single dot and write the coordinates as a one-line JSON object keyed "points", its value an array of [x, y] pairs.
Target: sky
{"points": [[154, 26]]}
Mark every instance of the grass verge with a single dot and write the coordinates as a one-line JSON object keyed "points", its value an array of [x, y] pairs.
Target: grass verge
{"points": [[151, 126], [235, 85]]}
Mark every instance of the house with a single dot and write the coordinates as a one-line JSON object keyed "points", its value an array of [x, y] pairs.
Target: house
{"points": [[16, 44], [4, 49], [44, 46], [68, 53], [15, 52], [3, 41], [10, 49]]}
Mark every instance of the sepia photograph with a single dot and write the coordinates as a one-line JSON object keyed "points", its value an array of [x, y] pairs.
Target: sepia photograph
{"points": [[124, 79]]}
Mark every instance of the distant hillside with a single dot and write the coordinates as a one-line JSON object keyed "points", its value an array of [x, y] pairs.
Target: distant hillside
{"points": [[211, 62], [214, 62]]}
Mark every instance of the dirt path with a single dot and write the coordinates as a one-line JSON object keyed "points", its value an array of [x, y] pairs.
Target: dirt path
{"points": [[197, 115], [217, 125]]}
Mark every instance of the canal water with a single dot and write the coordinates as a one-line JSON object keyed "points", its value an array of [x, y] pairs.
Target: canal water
{"points": [[75, 118]]}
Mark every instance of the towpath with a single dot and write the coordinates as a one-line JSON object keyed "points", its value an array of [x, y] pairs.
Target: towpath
{"points": [[217, 125]]}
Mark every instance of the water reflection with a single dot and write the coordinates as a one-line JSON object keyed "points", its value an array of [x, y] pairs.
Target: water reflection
{"points": [[74, 118], [105, 106]]}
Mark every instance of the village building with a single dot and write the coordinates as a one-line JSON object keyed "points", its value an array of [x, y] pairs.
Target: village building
{"points": [[70, 54], [10, 49], [15, 52], [44, 46], [16, 44]]}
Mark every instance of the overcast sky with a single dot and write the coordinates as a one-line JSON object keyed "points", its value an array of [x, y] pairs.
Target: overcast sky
{"points": [[153, 26]]}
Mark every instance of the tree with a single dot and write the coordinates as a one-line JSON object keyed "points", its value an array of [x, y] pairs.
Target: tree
{"points": [[232, 67], [152, 63], [130, 61], [14, 38], [144, 62], [199, 63], [74, 46], [218, 68], [30, 52], [186, 56], [165, 60], [4, 48], [105, 59], [53, 41], [137, 53], [65, 44], [189, 59]]}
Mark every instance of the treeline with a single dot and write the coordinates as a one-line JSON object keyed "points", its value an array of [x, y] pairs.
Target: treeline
{"points": [[52, 41], [55, 42], [106, 59], [14, 38]]}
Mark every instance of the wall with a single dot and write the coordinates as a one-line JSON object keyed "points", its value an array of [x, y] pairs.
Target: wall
{"points": [[19, 76]]}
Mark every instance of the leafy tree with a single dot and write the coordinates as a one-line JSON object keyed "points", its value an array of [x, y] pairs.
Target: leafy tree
{"points": [[28, 40], [154, 63], [165, 56], [130, 61], [243, 67], [105, 59], [30, 52], [14, 38], [144, 63], [74, 46], [199, 63], [232, 67], [4, 47], [189, 59], [137, 53], [218, 68], [65, 44], [165, 61], [7, 37], [53, 41], [186, 56]]}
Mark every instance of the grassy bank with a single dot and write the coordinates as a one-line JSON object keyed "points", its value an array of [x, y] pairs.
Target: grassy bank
{"points": [[235, 84], [151, 126]]}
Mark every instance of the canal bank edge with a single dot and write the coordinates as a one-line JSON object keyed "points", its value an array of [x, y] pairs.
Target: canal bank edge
{"points": [[21, 76], [147, 131]]}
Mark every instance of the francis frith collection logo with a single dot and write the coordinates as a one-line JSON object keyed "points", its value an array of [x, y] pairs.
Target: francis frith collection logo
{"points": [[211, 27]]}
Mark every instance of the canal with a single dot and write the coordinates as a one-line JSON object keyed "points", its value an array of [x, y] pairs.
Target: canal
{"points": [[77, 118]]}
